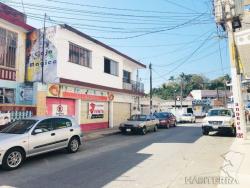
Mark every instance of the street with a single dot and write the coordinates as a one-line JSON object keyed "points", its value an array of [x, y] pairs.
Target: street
{"points": [[167, 158]]}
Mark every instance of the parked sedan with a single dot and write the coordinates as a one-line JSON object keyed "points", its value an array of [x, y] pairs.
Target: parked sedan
{"points": [[188, 117], [36, 135], [139, 124], [166, 119]]}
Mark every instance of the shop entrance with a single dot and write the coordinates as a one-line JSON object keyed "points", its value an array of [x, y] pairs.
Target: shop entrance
{"points": [[58, 106]]}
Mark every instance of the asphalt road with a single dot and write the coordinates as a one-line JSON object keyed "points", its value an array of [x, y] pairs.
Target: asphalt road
{"points": [[167, 158]]}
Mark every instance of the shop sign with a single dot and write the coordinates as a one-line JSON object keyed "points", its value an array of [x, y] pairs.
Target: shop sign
{"points": [[96, 110], [25, 94], [59, 109], [53, 90], [35, 67], [4, 118], [201, 102], [237, 120], [83, 94]]}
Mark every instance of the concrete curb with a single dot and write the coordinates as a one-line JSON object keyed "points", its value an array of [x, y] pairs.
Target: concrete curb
{"points": [[100, 134]]}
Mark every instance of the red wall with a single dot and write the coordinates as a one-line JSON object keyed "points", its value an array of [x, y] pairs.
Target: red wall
{"points": [[94, 126], [69, 102]]}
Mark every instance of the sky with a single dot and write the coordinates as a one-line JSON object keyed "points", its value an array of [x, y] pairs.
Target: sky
{"points": [[174, 35]]}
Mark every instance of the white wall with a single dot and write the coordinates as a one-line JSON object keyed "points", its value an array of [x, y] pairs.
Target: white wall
{"points": [[196, 94], [95, 74]]}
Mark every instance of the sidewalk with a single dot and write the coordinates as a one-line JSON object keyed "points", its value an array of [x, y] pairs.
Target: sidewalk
{"points": [[236, 165], [100, 133]]}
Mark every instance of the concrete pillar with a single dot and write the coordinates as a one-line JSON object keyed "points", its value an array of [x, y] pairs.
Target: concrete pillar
{"points": [[111, 114], [78, 111]]}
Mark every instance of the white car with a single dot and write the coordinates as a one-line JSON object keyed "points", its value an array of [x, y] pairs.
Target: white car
{"points": [[188, 117], [221, 119], [37, 135]]}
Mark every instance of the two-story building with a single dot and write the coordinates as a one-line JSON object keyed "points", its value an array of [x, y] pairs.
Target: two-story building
{"points": [[15, 96], [82, 77]]}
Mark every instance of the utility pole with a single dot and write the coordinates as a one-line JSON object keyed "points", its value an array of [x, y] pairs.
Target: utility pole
{"points": [[138, 90], [181, 90], [151, 94], [43, 55], [227, 14]]}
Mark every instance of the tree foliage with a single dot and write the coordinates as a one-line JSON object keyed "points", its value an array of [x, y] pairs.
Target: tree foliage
{"points": [[189, 82]]}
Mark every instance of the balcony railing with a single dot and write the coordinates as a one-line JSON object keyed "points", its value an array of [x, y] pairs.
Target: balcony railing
{"points": [[134, 86]]}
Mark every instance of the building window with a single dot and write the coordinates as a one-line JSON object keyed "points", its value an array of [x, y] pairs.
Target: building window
{"points": [[8, 46], [111, 67], [79, 55], [7, 96], [126, 76]]}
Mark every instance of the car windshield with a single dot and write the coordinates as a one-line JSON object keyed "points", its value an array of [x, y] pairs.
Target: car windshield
{"points": [[219, 113], [138, 118], [19, 127], [161, 115]]}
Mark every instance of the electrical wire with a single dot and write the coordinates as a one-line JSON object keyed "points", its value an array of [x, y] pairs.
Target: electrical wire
{"points": [[112, 8]]}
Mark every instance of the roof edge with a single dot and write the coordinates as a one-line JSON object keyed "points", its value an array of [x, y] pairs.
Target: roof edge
{"points": [[101, 44]]}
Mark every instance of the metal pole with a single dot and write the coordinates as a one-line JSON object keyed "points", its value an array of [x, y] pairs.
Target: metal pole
{"points": [[240, 121], [181, 92], [138, 90], [43, 55], [151, 102]]}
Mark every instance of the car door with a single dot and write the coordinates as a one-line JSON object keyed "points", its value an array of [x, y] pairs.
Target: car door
{"points": [[63, 131], [43, 141], [152, 122]]}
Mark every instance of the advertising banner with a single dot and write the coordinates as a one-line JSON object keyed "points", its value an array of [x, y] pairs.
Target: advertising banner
{"points": [[34, 55], [96, 110], [25, 94]]}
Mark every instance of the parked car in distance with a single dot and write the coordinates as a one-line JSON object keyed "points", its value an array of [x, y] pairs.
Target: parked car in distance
{"points": [[139, 124], [166, 119], [187, 117], [37, 135], [220, 119]]}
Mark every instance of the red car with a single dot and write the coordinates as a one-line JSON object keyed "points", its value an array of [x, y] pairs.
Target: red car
{"points": [[166, 119]]}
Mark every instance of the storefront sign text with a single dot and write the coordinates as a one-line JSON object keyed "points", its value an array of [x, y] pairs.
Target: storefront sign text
{"points": [[96, 110]]}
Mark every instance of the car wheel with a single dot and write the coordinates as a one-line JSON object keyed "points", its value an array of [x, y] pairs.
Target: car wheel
{"points": [[73, 145], [205, 132], [144, 131], [13, 159], [175, 124], [155, 128]]}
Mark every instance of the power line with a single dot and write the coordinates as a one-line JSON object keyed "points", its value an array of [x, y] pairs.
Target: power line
{"points": [[95, 12], [143, 34], [189, 57], [177, 49], [180, 5], [108, 21], [111, 8]]}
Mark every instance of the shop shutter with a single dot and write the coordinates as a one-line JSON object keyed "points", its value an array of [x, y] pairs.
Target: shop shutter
{"points": [[122, 112]]}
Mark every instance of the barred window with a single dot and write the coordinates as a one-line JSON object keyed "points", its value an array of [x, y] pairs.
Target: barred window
{"points": [[8, 46], [79, 55], [111, 67]]}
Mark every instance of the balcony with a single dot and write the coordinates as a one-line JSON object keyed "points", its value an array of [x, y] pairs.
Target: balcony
{"points": [[136, 87]]}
